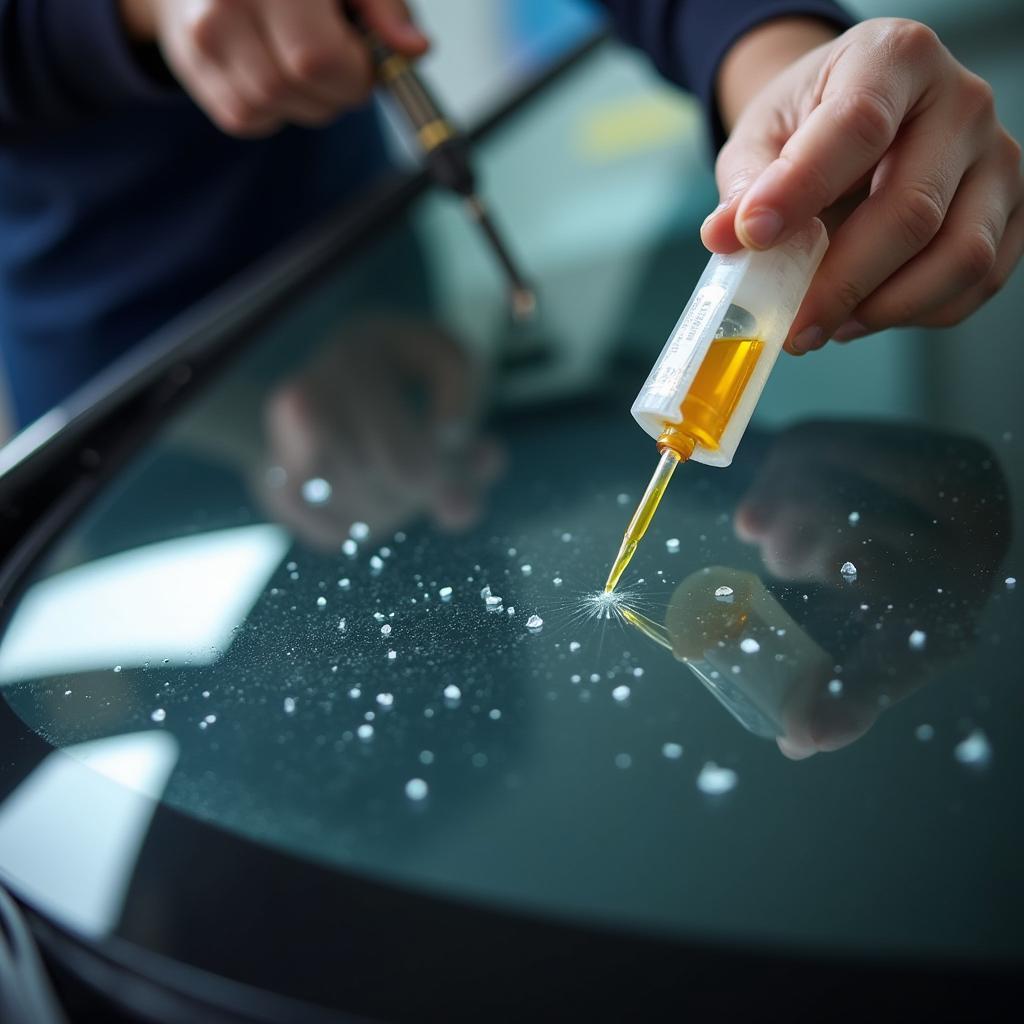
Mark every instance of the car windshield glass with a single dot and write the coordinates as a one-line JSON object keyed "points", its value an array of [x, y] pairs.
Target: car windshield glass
{"points": [[346, 602]]}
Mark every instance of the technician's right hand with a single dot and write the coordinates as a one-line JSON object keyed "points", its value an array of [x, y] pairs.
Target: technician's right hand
{"points": [[256, 65]]}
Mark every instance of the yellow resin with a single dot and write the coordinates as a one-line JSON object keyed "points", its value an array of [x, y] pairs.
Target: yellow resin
{"points": [[716, 390], [706, 410]]}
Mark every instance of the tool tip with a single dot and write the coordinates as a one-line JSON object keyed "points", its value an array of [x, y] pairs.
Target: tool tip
{"points": [[523, 304]]}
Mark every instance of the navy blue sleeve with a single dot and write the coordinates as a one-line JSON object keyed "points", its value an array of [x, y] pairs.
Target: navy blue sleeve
{"points": [[687, 39], [64, 59]]}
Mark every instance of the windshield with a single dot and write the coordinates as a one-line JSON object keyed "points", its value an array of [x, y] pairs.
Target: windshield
{"points": [[343, 604]]}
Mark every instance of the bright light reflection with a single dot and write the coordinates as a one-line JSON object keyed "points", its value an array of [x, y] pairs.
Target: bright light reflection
{"points": [[178, 599], [71, 832]]}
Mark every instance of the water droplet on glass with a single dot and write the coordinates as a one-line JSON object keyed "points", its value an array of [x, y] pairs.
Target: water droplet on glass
{"points": [[384, 552], [158, 715], [210, 719], [359, 531], [714, 780], [494, 714], [526, 569], [557, 581], [853, 518], [595, 677], [575, 677], [621, 693], [426, 757], [385, 630], [975, 750], [672, 545], [355, 693], [849, 570], [392, 655], [289, 705], [924, 732], [316, 491], [723, 594], [117, 668], [835, 687], [321, 602], [917, 640], [1011, 582], [452, 692], [350, 548], [385, 700], [622, 499], [365, 731], [574, 646], [638, 672], [534, 623], [445, 593], [566, 537], [376, 563], [673, 751], [623, 761], [748, 645], [345, 583]]}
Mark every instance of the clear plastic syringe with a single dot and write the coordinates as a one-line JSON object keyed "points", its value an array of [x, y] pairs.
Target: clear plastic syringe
{"points": [[699, 397]]}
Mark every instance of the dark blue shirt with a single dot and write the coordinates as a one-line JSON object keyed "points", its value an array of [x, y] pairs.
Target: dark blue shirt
{"points": [[120, 203]]}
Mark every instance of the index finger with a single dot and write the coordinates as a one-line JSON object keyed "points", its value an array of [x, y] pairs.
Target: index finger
{"points": [[840, 142]]}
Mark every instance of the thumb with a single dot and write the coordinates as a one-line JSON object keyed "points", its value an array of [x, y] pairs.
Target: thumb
{"points": [[740, 163]]}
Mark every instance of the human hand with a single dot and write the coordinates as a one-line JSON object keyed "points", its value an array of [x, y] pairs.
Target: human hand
{"points": [[256, 65], [896, 145], [385, 414]]}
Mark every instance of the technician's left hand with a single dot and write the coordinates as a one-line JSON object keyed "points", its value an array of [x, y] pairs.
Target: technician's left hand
{"points": [[897, 146]]}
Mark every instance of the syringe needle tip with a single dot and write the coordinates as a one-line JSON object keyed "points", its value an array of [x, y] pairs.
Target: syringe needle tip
{"points": [[626, 551]]}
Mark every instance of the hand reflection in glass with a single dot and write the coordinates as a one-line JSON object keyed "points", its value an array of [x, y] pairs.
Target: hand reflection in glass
{"points": [[386, 415], [930, 527]]}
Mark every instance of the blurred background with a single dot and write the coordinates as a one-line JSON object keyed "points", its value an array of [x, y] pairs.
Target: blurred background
{"points": [[642, 151]]}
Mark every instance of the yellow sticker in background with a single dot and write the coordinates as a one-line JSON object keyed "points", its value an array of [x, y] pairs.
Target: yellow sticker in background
{"points": [[649, 121]]}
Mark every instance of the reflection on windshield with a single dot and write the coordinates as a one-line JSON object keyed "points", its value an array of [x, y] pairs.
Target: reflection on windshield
{"points": [[72, 830], [764, 666], [384, 420], [171, 602]]}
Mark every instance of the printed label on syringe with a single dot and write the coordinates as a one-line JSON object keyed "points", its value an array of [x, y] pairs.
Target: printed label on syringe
{"points": [[677, 356]]}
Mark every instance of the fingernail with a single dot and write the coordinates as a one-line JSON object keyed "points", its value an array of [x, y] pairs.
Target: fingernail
{"points": [[850, 330], [713, 214], [808, 338], [762, 227]]}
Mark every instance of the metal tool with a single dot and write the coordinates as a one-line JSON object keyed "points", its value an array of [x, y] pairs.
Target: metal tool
{"points": [[447, 157]]}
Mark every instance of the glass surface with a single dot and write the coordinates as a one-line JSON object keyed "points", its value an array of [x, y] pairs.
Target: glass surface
{"points": [[303, 613]]}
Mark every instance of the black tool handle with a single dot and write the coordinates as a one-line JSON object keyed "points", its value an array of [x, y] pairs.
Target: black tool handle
{"points": [[445, 149]]}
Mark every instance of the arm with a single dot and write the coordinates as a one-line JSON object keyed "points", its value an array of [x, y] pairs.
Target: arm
{"points": [[689, 39], [61, 60]]}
